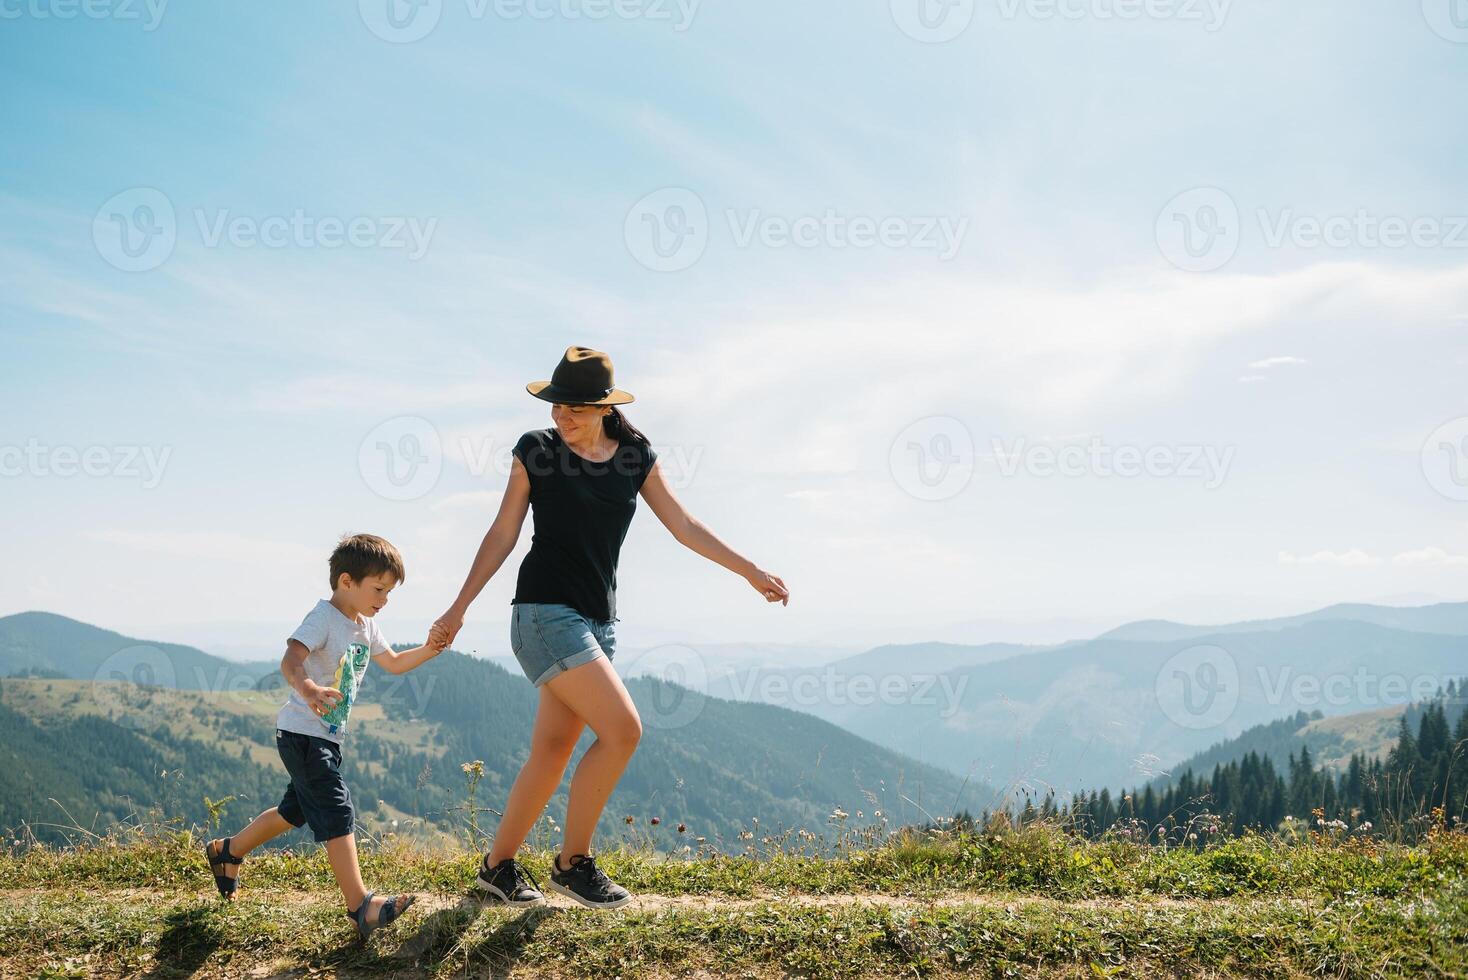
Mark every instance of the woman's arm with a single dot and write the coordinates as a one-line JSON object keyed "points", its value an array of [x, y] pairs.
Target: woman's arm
{"points": [[498, 542], [693, 534]]}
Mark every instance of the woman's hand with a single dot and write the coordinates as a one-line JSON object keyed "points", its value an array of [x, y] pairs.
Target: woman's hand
{"points": [[769, 586], [446, 627]]}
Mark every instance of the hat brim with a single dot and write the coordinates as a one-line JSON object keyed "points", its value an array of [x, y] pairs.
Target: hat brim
{"points": [[546, 391]]}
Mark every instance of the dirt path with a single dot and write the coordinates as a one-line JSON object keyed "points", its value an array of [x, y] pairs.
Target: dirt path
{"points": [[438, 901]]}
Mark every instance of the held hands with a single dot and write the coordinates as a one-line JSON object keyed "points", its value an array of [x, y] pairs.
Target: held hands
{"points": [[320, 699], [769, 586], [446, 627]]}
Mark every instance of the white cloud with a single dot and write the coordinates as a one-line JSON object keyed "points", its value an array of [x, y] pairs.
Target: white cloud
{"points": [[469, 501], [1251, 378], [1355, 558], [1272, 362], [1429, 556], [350, 393], [216, 546]]}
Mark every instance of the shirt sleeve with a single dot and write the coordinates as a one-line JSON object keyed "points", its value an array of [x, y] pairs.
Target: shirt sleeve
{"points": [[312, 631], [650, 456], [376, 643], [526, 443], [523, 452]]}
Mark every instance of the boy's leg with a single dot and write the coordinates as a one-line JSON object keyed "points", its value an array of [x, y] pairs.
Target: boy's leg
{"points": [[342, 853], [266, 827], [263, 829], [325, 803]]}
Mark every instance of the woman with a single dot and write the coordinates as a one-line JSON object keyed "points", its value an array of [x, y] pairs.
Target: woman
{"points": [[581, 478]]}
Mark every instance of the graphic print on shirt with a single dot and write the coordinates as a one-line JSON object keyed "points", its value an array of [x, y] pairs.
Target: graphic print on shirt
{"points": [[348, 675]]}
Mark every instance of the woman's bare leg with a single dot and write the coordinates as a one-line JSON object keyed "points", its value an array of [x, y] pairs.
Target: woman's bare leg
{"points": [[595, 694], [551, 743]]}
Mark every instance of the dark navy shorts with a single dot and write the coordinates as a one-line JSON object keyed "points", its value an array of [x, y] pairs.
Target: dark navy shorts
{"points": [[317, 794]]}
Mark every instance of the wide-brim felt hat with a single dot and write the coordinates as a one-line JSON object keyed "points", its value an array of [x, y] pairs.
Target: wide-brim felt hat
{"points": [[584, 377]]}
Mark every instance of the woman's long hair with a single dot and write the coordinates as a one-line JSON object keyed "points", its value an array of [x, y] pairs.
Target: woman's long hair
{"points": [[616, 424]]}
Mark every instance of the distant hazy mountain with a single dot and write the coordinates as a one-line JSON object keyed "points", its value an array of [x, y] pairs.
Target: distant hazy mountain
{"points": [[1087, 713], [99, 748], [931, 657], [45, 643], [1108, 712], [843, 689], [1443, 617]]}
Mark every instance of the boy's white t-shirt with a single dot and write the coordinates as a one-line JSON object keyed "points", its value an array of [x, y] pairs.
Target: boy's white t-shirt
{"points": [[340, 649]]}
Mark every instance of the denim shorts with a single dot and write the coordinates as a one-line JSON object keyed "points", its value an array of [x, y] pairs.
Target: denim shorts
{"points": [[317, 794], [549, 638]]}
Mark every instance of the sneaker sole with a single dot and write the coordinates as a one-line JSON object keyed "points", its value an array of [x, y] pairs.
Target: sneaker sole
{"points": [[560, 889], [485, 886]]}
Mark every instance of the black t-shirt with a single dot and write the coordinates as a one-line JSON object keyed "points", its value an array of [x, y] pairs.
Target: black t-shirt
{"points": [[581, 510]]}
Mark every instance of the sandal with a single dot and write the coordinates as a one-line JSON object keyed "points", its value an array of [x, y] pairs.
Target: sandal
{"points": [[223, 882], [386, 913]]}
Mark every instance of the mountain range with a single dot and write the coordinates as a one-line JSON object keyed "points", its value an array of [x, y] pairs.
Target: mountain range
{"points": [[104, 728], [1115, 709]]}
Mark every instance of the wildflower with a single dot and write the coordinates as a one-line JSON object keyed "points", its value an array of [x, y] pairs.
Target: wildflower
{"points": [[627, 820], [682, 828], [839, 814], [655, 821], [475, 768]]}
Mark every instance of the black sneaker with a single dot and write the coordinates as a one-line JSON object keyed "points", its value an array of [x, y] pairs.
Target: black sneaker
{"points": [[587, 884], [508, 882]]}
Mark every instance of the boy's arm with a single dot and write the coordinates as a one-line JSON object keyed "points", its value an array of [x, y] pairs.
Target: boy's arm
{"points": [[402, 661], [293, 666]]}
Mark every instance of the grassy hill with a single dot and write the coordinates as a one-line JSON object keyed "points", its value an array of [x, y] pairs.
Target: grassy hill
{"points": [[89, 754], [1027, 903], [1331, 740], [55, 646]]}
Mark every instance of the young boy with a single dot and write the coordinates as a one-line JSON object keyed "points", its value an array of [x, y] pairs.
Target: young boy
{"points": [[324, 661]]}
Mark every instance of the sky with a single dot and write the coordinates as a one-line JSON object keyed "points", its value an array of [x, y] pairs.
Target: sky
{"points": [[989, 321]]}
